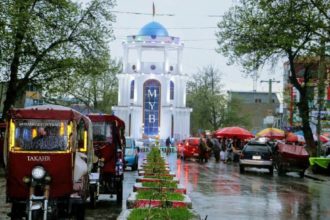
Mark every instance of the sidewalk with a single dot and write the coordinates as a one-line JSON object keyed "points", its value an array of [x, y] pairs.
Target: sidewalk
{"points": [[320, 177]]}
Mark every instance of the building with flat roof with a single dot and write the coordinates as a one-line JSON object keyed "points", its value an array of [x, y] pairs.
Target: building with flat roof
{"points": [[259, 106]]}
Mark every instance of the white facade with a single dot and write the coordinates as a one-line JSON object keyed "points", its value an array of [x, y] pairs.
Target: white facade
{"points": [[152, 87]]}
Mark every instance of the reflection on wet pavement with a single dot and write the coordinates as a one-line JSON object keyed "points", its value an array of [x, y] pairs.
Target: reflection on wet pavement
{"points": [[219, 191]]}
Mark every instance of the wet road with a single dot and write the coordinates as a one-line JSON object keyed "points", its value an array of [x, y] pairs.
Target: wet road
{"points": [[219, 191]]}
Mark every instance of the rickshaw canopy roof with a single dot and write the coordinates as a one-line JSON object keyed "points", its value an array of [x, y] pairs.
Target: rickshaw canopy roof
{"points": [[106, 118], [47, 112]]}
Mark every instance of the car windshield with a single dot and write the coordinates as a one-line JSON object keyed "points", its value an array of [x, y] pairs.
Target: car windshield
{"points": [[129, 143], [257, 148], [101, 131], [49, 135], [129, 151]]}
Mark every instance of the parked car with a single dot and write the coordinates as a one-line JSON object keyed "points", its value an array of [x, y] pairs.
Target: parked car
{"points": [[190, 148], [256, 154], [131, 154]]}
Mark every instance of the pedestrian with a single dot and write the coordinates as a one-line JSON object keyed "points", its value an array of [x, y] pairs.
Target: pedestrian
{"points": [[229, 151], [209, 148], [216, 149], [168, 145], [202, 146]]}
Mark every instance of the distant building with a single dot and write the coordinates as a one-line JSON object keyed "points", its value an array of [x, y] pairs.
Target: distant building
{"points": [[152, 86], [259, 107]]}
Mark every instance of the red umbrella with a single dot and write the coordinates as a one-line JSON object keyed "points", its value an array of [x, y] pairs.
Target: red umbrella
{"points": [[326, 134], [291, 137], [231, 132], [323, 139]]}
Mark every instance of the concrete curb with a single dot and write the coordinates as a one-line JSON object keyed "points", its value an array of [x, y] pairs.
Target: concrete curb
{"points": [[314, 177], [125, 213]]}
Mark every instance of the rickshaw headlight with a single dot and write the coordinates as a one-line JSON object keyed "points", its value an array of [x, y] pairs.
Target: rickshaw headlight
{"points": [[38, 172]]}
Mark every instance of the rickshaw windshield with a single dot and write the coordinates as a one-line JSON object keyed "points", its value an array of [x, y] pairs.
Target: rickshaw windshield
{"points": [[41, 135], [102, 131]]}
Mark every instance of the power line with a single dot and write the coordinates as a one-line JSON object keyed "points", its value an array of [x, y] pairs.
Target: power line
{"points": [[141, 13], [206, 39], [161, 14], [185, 40], [199, 48], [173, 28]]}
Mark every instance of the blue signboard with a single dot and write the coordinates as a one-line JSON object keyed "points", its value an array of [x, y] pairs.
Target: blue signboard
{"points": [[151, 111]]}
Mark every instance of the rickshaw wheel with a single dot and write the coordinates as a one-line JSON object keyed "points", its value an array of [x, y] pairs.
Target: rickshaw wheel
{"points": [[120, 194], [302, 174], [134, 167], [79, 212], [92, 196], [17, 211], [314, 169], [280, 170], [37, 214], [271, 170]]}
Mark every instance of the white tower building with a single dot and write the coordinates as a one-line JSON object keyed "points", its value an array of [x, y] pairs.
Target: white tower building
{"points": [[152, 87]]}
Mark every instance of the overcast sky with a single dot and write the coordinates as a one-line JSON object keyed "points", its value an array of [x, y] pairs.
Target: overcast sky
{"points": [[195, 22]]}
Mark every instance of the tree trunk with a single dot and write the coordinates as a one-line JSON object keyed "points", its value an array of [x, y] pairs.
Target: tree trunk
{"points": [[303, 105], [10, 100], [304, 114]]}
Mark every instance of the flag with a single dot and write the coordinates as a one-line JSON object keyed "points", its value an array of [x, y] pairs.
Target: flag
{"points": [[153, 9]]}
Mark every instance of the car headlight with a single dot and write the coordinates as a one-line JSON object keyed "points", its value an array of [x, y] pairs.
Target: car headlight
{"points": [[38, 172]]}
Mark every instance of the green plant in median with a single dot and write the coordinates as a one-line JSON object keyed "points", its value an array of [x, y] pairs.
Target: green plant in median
{"points": [[167, 184], [159, 176], [159, 195], [155, 168], [158, 213]]}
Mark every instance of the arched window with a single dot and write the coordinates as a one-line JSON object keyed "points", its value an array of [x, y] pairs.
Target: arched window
{"points": [[132, 90], [171, 90]]}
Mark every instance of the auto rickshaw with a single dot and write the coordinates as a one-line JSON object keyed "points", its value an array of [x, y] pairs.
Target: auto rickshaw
{"points": [[48, 157], [290, 158], [108, 143]]}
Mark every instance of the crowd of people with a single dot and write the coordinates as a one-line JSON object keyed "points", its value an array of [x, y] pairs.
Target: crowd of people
{"points": [[223, 149]]}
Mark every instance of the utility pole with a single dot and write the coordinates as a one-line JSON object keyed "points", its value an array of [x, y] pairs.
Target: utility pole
{"points": [[270, 82]]}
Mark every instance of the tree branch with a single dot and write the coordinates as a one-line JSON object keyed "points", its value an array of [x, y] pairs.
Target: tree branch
{"points": [[324, 13], [40, 57]]}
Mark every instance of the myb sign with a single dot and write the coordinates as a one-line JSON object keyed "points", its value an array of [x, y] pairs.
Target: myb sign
{"points": [[151, 107]]}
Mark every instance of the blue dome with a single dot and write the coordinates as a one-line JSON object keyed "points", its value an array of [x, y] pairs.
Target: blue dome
{"points": [[153, 29]]}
